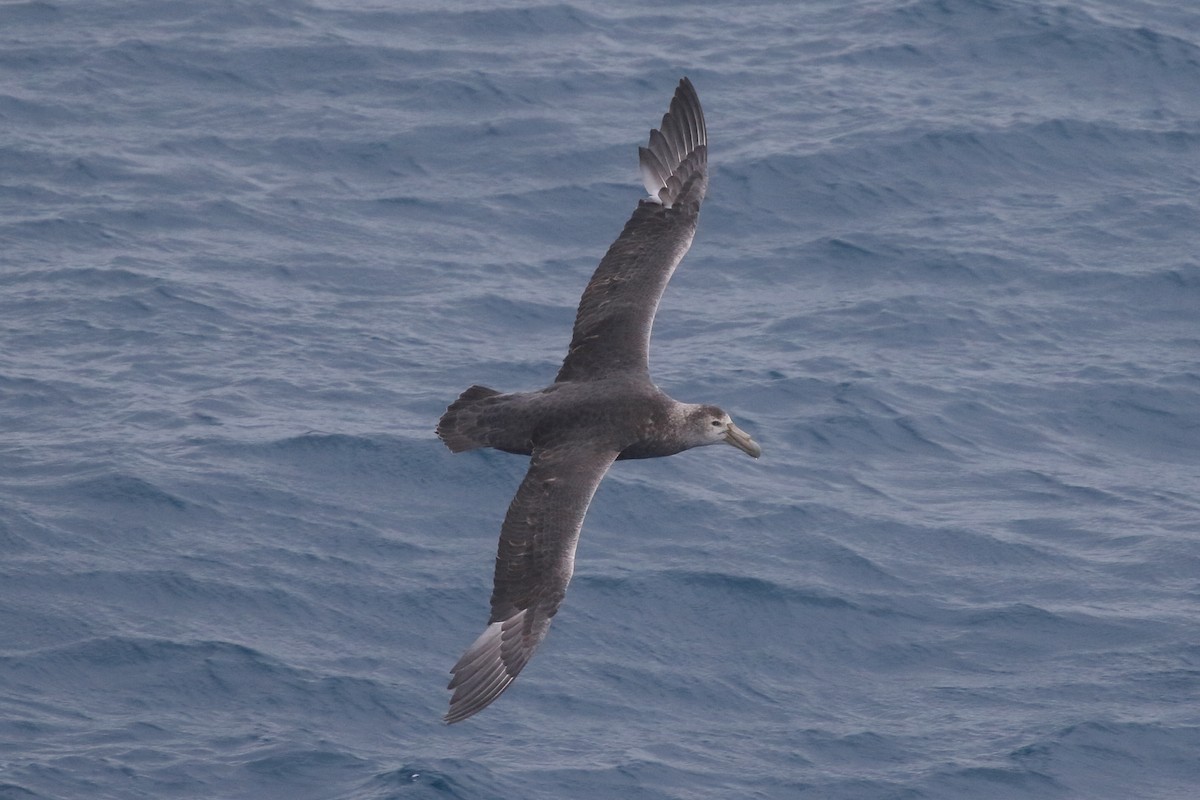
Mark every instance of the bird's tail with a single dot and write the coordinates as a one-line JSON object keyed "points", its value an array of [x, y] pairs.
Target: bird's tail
{"points": [[460, 426]]}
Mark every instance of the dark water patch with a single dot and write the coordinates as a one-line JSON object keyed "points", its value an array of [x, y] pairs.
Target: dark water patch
{"points": [[983, 426], [1024, 629], [1055, 489], [966, 14], [30, 627], [1017, 616], [286, 16], [449, 778], [31, 394], [147, 63], [518, 314], [366, 460], [36, 11], [301, 766], [387, 162], [18, 531], [754, 589], [71, 174], [123, 670], [115, 279], [127, 490], [160, 599], [1093, 755], [488, 24], [867, 748], [77, 233], [944, 167], [335, 445], [1074, 539], [952, 553], [1035, 34], [765, 630], [211, 680], [993, 782], [863, 435], [832, 186], [1156, 423]]}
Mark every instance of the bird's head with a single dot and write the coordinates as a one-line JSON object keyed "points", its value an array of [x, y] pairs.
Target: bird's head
{"points": [[711, 425]]}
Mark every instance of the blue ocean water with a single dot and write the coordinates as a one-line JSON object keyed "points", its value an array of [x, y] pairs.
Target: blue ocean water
{"points": [[946, 274]]}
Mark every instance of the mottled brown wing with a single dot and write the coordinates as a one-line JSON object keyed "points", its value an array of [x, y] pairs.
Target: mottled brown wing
{"points": [[616, 312], [534, 563]]}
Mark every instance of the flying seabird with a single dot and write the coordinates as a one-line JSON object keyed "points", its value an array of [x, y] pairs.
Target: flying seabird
{"points": [[602, 407]]}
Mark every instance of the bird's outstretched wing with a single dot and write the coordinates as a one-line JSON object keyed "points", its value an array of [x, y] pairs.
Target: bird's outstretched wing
{"points": [[533, 566], [616, 312]]}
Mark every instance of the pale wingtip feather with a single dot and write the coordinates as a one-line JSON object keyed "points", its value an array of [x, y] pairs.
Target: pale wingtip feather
{"points": [[677, 148], [482, 673]]}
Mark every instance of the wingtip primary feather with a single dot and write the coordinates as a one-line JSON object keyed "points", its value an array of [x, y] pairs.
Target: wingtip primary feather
{"points": [[677, 150], [486, 669]]}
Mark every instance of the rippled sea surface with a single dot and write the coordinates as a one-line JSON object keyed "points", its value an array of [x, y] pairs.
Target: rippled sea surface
{"points": [[946, 274]]}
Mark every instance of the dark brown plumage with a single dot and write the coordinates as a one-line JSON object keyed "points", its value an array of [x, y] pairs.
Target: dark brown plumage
{"points": [[601, 407]]}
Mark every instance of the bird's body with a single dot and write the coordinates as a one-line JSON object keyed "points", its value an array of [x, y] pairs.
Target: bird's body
{"points": [[602, 407], [631, 417]]}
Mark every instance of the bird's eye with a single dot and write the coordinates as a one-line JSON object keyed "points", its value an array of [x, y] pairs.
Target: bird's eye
{"points": [[716, 423]]}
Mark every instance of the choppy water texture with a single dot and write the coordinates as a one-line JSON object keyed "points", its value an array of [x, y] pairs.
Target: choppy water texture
{"points": [[947, 275]]}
